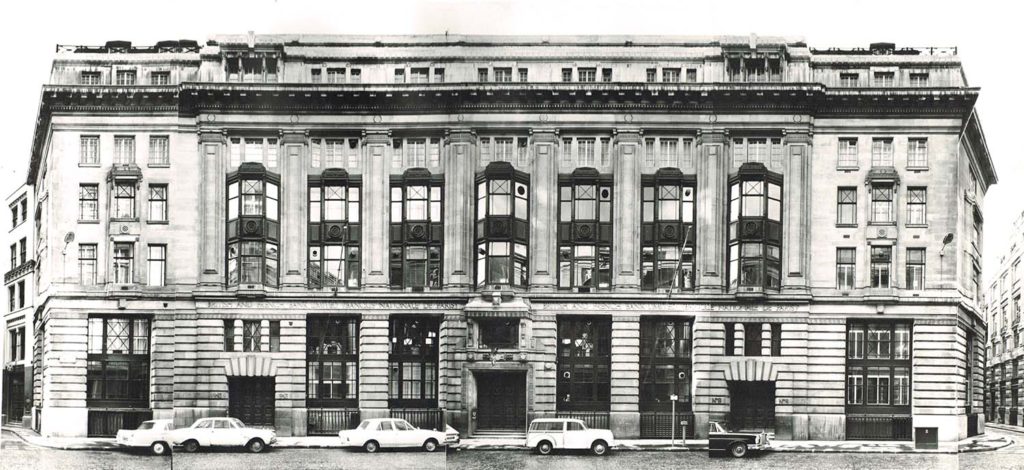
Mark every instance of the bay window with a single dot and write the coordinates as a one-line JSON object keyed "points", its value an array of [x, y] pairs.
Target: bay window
{"points": [[334, 231], [667, 230], [502, 226], [253, 230], [417, 234], [585, 231], [755, 229]]}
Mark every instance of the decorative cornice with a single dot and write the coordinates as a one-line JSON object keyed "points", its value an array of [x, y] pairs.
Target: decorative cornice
{"points": [[19, 271]]}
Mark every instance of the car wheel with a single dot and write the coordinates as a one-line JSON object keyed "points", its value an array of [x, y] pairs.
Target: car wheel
{"points": [[191, 445], [159, 448], [738, 450], [256, 446], [544, 448], [430, 445], [599, 448], [371, 447]]}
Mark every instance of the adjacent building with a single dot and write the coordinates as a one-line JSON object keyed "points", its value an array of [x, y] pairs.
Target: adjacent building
{"points": [[1004, 371], [19, 281], [302, 231]]}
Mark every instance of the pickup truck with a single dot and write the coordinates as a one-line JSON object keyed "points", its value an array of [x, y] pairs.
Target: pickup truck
{"points": [[738, 443]]}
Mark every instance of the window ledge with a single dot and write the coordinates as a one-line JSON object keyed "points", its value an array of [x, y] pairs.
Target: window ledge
{"points": [[846, 225], [88, 221], [917, 168], [882, 224], [88, 165], [158, 165], [917, 225], [157, 222], [131, 219], [847, 168]]}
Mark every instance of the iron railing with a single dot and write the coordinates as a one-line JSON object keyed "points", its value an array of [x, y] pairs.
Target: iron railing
{"points": [[658, 425], [879, 427], [106, 423], [423, 418], [328, 421], [593, 419]]}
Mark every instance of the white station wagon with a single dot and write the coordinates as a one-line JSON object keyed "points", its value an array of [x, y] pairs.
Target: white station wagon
{"points": [[375, 434], [152, 434], [547, 434]]}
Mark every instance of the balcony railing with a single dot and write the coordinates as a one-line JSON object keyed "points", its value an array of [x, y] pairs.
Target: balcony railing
{"points": [[423, 418], [879, 427], [593, 419], [106, 423], [328, 421], [658, 425]]}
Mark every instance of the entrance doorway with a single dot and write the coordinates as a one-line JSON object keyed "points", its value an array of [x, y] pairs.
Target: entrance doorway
{"points": [[14, 394], [752, 405], [501, 401], [251, 399]]}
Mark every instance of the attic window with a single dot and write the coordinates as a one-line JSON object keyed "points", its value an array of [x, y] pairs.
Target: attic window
{"points": [[90, 78]]}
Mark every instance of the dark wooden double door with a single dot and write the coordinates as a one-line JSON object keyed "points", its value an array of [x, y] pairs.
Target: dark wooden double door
{"points": [[752, 405], [251, 399], [501, 401]]}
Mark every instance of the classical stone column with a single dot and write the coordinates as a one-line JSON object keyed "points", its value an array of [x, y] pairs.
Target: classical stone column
{"points": [[711, 211], [544, 211], [626, 204], [376, 155], [453, 343], [211, 157], [625, 377], [460, 166], [293, 209], [373, 366], [796, 212]]}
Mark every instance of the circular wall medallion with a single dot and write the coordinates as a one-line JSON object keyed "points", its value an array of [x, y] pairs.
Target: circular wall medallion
{"points": [[211, 117], [417, 232], [334, 231], [544, 117], [294, 118], [461, 117], [377, 118], [670, 232], [797, 118], [586, 232], [251, 226], [712, 118], [628, 118]]}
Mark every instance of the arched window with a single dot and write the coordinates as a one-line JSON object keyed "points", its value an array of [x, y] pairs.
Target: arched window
{"points": [[668, 235], [502, 226], [755, 229], [253, 229], [334, 230], [417, 230], [585, 231]]}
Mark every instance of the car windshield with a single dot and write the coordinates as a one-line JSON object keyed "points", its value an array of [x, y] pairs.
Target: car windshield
{"points": [[235, 422], [146, 425]]}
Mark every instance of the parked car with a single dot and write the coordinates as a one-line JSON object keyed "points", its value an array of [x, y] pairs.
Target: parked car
{"points": [[223, 432], [547, 434], [737, 443], [375, 434], [153, 434]]}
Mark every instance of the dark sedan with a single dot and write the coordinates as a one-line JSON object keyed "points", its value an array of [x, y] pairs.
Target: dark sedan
{"points": [[737, 444]]}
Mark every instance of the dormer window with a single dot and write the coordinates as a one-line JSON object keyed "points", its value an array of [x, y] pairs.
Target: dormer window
{"points": [[252, 226], [125, 77], [755, 229], [90, 78], [251, 67], [502, 226]]}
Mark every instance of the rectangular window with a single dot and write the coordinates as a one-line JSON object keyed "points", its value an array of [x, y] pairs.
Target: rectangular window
{"points": [[566, 75], [399, 75], [881, 152], [419, 75], [124, 259], [585, 148], [335, 75], [315, 76], [503, 74], [881, 263], [730, 339], [849, 79], [87, 264], [22, 251], [917, 209], [846, 268], [878, 385], [691, 75], [118, 364], [885, 79], [882, 204], [917, 152], [915, 268], [158, 203], [252, 336], [413, 362], [21, 294], [670, 75], [157, 268], [606, 75], [919, 79], [652, 75], [90, 78], [846, 206], [12, 298], [124, 150], [523, 74], [583, 364], [669, 154], [332, 351], [439, 75], [160, 78], [855, 386], [90, 150], [124, 200], [776, 339], [88, 202], [159, 150], [855, 343], [848, 152], [665, 363], [588, 75], [481, 75], [355, 75], [649, 153], [125, 77], [752, 339]]}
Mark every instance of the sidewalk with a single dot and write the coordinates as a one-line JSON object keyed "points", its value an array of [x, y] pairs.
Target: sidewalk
{"points": [[974, 444]]}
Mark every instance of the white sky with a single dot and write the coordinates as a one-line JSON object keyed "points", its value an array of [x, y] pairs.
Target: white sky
{"points": [[986, 33]]}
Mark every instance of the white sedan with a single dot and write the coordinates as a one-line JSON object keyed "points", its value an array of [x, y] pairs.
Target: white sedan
{"points": [[152, 434], [374, 434], [223, 432]]}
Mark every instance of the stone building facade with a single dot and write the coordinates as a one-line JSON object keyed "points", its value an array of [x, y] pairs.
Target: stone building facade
{"points": [[1004, 368], [303, 231], [17, 342]]}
